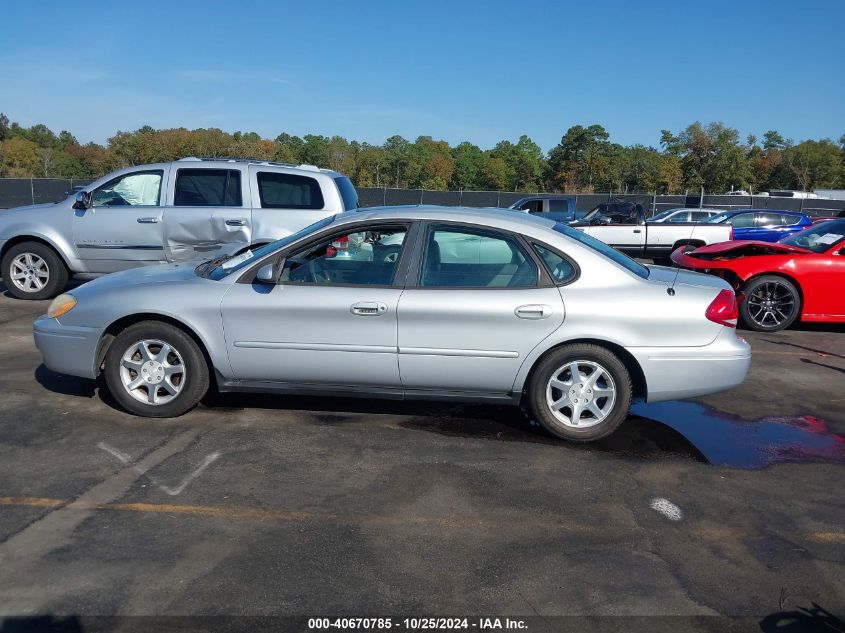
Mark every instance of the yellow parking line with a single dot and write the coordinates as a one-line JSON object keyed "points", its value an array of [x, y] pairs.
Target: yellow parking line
{"points": [[240, 512], [38, 502]]}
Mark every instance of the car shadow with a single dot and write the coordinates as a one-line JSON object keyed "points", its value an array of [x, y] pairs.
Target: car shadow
{"points": [[686, 429]]}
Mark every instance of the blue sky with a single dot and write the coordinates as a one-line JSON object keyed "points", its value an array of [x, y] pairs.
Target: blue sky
{"points": [[458, 70]]}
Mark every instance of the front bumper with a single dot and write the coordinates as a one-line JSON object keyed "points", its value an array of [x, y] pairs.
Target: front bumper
{"points": [[673, 373], [67, 349]]}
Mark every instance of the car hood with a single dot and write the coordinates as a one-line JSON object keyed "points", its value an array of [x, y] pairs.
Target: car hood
{"points": [[14, 212], [745, 248], [144, 276]]}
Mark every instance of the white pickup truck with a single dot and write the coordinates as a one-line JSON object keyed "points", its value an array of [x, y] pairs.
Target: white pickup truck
{"points": [[623, 226]]}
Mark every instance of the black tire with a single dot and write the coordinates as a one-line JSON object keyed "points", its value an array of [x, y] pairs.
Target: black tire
{"points": [[769, 291], [56, 271], [192, 383], [552, 365]]}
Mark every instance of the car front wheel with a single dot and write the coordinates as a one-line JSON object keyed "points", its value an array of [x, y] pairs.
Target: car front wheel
{"points": [[154, 369], [580, 392], [771, 303], [33, 270]]}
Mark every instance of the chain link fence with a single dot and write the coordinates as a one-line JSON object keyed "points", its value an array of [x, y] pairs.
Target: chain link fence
{"points": [[15, 192]]}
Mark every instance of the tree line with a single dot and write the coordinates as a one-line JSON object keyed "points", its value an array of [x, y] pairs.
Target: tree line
{"points": [[712, 156]]}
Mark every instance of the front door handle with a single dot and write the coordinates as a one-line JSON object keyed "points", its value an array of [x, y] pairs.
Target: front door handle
{"points": [[369, 308], [637, 231], [533, 311], [240, 222], [152, 220]]}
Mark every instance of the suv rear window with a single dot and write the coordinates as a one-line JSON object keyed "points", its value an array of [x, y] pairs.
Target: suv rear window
{"points": [[288, 191], [208, 188], [347, 193]]}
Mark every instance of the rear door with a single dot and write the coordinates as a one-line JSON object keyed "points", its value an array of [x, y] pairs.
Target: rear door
{"points": [[207, 212], [123, 227], [628, 238], [284, 202], [472, 312]]}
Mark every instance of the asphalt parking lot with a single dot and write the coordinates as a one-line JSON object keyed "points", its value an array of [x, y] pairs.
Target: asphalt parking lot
{"points": [[256, 505]]}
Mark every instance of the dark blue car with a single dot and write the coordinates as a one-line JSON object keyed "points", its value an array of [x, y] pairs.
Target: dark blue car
{"points": [[764, 225]]}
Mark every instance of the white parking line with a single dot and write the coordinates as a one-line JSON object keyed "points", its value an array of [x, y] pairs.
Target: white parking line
{"points": [[127, 460]]}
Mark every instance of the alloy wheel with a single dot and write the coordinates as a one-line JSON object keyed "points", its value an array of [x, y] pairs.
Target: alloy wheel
{"points": [[29, 272], [771, 304], [580, 394], [152, 371]]}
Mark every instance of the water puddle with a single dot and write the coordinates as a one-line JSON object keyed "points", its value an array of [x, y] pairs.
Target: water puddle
{"points": [[652, 431], [726, 440]]}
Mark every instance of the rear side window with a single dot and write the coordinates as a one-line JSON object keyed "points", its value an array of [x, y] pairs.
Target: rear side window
{"points": [[289, 191], [681, 216], [561, 270], [208, 188], [742, 221], [347, 193], [466, 258], [559, 205]]}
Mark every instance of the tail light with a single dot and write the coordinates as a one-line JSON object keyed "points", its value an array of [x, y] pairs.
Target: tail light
{"points": [[341, 243], [723, 309], [732, 233]]}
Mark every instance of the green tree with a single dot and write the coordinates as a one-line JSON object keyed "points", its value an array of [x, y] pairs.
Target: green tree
{"points": [[19, 158], [469, 167]]}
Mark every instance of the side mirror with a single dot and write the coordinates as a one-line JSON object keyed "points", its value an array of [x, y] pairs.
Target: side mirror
{"points": [[83, 200], [270, 273], [266, 274]]}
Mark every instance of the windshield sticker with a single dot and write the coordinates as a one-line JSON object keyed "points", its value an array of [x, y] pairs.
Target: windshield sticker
{"points": [[829, 238], [231, 263]]}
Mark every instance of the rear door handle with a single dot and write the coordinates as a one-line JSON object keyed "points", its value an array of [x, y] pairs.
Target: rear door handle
{"points": [[637, 231], [152, 220], [369, 308], [240, 222], [533, 311]]}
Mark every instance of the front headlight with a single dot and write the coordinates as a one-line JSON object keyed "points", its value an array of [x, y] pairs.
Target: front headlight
{"points": [[61, 305]]}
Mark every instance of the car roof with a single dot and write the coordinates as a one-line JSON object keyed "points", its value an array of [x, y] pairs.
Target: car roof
{"points": [[738, 211], [547, 196], [498, 217]]}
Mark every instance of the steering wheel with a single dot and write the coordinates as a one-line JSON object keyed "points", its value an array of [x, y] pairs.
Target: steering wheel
{"points": [[317, 272]]}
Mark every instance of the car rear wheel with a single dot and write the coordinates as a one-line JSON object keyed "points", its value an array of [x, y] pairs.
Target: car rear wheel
{"points": [[154, 369], [771, 303], [32, 270], [580, 392]]}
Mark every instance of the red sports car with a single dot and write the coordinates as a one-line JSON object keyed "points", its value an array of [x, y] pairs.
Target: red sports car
{"points": [[802, 276]]}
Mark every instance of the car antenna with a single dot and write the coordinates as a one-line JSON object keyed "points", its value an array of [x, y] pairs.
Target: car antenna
{"points": [[671, 289]]}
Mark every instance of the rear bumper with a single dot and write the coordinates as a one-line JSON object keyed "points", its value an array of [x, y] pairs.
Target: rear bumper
{"points": [[67, 349], [672, 373]]}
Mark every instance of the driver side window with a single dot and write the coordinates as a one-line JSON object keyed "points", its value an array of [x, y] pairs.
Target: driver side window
{"points": [[361, 258], [139, 188]]}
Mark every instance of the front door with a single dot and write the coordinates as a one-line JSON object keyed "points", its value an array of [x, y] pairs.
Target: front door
{"points": [[331, 319], [476, 313], [123, 226]]}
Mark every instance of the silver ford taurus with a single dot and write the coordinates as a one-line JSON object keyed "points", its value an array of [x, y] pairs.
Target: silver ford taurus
{"points": [[408, 302]]}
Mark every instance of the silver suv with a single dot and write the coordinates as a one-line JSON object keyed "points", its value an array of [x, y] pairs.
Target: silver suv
{"points": [[167, 212]]}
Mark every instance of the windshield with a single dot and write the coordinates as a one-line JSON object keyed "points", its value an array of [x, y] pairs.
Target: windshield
{"points": [[664, 214], [608, 251], [613, 214], [718, 218], [222, 266], [820, 237]]}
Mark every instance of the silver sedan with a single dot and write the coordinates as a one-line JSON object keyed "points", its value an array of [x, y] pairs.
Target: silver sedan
{"points": [[414, 303]]}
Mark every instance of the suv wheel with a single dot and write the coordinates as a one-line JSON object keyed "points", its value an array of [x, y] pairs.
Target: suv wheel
{"points": [[580, 392], [156, 370], [32, 270]]}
